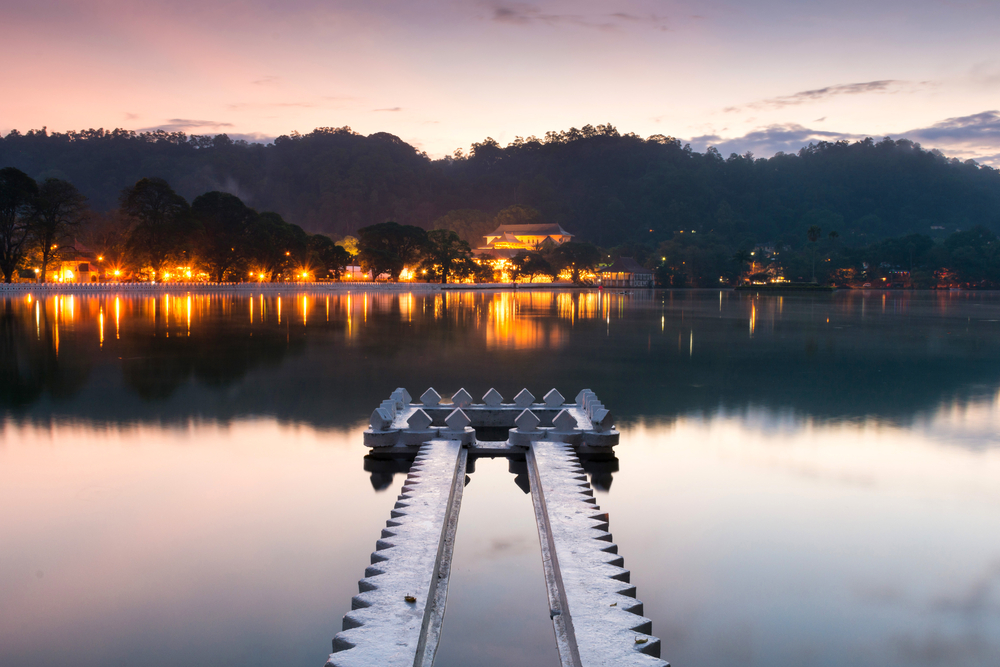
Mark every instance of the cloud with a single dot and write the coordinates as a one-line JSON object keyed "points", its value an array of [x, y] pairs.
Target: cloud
{"points": [[806, 96], [940, 650], [266, 81], [980, 598], [767, 141], [186, 125], [389, 109], [976, 136], [523, 14], [252, 137], [271, 105], [981, 128]]}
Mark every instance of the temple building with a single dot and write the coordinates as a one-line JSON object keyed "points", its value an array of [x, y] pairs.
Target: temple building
{"points": [[626, 272], [507, 240]]}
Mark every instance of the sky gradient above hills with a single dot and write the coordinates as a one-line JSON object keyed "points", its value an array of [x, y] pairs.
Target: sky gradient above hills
{"points": [[762, 75]]}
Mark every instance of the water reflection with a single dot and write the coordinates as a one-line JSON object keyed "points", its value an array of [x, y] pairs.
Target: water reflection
{"points": [[895, 356], [802, 479]]}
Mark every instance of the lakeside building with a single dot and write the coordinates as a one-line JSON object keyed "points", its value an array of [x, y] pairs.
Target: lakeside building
{"points": [[626, 272], [507, 240]]}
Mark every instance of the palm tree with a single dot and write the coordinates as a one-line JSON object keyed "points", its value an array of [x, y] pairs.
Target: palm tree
{"points": [[814, 233]]}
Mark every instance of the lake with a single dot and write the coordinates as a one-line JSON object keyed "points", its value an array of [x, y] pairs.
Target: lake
{"points": [[802, 479]]}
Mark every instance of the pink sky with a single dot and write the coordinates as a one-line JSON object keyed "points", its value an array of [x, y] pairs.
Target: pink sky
{"points": [[761, 76]]}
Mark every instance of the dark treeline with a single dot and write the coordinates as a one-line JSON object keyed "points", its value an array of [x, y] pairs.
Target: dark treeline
{"points": [[605, 187]]}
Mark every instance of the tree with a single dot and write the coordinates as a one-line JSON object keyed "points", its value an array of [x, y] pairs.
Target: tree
{"points": [[224, 231], [17, 195], [333, 258], [577, 257], [740, 259], [444, 251], [472, 225], [107, 235], [389, 246], [160, 221], [350, 244], [813, 233], [276, 246], [529, 265], [57, 213]]}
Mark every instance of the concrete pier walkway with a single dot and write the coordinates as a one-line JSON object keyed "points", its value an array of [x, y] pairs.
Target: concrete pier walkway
{"points": [[396, 618], [598, 620]]}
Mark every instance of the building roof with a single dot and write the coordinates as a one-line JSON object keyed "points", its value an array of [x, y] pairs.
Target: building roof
{"points": [[626, 265], [548, 229]]}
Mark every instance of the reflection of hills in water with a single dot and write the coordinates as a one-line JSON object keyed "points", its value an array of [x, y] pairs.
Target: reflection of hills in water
{"points": [[328, 359]]}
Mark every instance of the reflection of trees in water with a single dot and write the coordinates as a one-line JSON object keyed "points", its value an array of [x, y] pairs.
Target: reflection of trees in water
{"points": [[651, 356], [31, 361], [155, 364]]}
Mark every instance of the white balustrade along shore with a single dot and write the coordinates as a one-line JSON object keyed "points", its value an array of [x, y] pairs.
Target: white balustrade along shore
{"points": [[76, 288], [89, 288]]}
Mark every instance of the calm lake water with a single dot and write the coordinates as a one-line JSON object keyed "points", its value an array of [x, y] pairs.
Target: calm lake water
{"points": [[803, 480]]}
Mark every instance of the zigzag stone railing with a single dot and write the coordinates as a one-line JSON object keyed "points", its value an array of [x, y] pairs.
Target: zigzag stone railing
{"points": [[396, 618]]}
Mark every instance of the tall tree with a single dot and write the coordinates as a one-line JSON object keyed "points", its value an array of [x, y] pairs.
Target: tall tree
{"points": [[17, 195], [529, 265], [107, 235], [276, 247], [389, 246], [813, 233], [576, 257], [224, 231], [444, 251], [57, 214], [160, 221], [328, 256]]}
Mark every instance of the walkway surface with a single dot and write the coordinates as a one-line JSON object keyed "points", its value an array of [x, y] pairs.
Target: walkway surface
{"points": [[598, 621], [395, 620]]}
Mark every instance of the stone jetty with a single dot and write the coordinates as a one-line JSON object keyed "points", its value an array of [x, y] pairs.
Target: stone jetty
{"points": [[552, 444]]}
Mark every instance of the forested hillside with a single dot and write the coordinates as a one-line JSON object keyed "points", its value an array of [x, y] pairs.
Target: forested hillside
{"points": [[604, 187]]}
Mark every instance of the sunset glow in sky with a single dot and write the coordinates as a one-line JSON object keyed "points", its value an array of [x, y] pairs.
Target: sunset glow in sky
{"points": [[762, 75]]}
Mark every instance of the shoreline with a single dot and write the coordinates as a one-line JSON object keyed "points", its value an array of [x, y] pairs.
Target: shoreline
{"points": [[146, 288]]}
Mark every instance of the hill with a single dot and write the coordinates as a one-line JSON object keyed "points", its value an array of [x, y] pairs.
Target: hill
{"points": [[603, 186]]}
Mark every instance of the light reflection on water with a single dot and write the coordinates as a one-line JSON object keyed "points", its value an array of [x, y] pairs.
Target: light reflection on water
{"points": [[803, 480]]}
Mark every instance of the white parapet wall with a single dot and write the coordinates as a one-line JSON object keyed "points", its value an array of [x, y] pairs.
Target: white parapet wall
{"points": [[395, 620], [400, 423], [198, 287], [597, 619]]}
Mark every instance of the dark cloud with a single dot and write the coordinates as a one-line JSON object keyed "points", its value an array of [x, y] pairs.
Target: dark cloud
{"points": [[820, 94]]}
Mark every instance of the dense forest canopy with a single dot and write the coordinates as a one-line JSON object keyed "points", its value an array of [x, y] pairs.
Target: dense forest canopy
{"points": [[604, 187]]}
